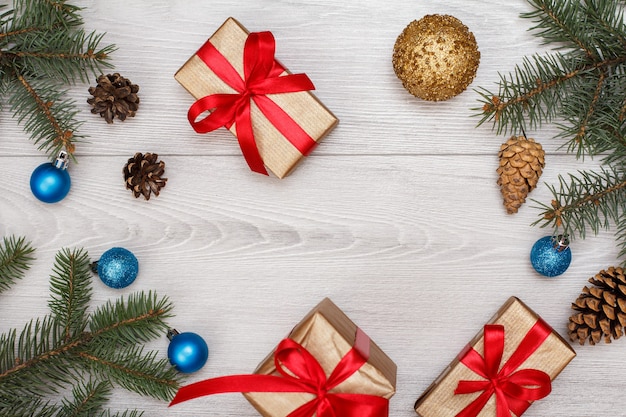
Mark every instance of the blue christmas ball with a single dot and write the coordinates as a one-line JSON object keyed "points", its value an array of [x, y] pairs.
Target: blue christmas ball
{"points": [[550, 257], [187, 352], [49, 183], [118, 267]]}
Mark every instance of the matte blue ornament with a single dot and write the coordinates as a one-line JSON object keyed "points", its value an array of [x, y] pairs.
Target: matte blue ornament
{"points": [[551, 256], [187, 351], [117, 267], [50, 182]]}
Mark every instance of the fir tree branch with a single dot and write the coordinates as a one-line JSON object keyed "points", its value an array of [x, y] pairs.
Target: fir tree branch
{"points": [[15, 259], [60, 55], [45, 14], [27, 407], [138, 318], [135, 370], [41, 48], [49, 117], [37, 347], [87, 400], [534, 91], [592, 201], [70, 287]]}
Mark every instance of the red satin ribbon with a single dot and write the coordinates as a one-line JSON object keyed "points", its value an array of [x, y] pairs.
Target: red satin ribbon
{"points": [[513, 389], [301, 372], [262, 76]]}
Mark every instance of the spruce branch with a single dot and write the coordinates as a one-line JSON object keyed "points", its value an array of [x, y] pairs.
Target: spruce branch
{"points": [[581, 87], [15, 259], [589, 201], [42, 49], [70, 288], [87, 353]]}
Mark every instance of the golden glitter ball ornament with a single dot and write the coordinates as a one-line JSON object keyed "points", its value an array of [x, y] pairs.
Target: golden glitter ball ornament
{"points": [[436, 57]]}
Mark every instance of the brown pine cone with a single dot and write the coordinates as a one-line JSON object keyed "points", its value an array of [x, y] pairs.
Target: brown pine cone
{"points": [[114, 96], [143, 175], [601, 310], [521, 164]]}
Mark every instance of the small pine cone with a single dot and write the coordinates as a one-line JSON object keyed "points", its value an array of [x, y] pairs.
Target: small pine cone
{"points": [[114, 96], [521, 164], [143, 174], [601, 309]]}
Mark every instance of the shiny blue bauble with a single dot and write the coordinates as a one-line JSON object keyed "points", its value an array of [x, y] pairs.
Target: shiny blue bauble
{"points": [[49, 183], [548, 258], [187, 351], [117, 267]]}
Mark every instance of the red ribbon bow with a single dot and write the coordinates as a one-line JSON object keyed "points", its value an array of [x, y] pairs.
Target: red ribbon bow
{"points": [[513, 389], [262, 76], [301, 372]]}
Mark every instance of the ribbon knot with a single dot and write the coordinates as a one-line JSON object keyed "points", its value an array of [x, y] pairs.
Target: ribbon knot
{"points": [[301, 372], [263, 75], [514, 389]]}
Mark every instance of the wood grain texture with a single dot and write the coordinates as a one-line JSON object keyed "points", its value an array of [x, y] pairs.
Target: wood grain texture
{"points": [[396, 216]]}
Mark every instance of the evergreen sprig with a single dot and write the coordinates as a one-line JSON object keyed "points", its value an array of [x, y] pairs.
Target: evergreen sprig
{"points": [[582, 88], [42, 49], [15, 259], [87, 354]]}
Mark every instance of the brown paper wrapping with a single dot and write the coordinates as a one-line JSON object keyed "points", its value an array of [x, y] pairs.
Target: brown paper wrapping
{"points": [[328, 334], [551, 357], [278, 154]]}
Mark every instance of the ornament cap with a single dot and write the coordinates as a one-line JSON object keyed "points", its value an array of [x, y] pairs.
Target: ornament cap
{"points": [[560, 242], [62, 161], [172, 333]]}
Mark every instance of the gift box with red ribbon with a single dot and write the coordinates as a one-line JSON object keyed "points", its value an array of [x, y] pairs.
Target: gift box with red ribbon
{"points": [[325, 367], [272, 113], [508, 365]]}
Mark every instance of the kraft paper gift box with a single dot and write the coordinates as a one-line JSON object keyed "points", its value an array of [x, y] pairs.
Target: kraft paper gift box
{"points": [[328, 334], [524, 331], [327, 366], [277, 152]]}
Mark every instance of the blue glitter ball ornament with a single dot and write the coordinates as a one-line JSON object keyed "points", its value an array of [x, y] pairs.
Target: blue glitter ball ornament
{"points": [[50, 182], [187, 351], [551, 256], [117, 267]]}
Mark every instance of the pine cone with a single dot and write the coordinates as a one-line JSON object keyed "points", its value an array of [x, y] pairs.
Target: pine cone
{"points": [[143, 174], [114, 96], [521, 164], [601, 310]]}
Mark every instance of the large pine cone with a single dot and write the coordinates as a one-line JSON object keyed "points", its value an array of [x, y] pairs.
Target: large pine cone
{"points": [[114, 96], [143, 175], [521, 164], [601, 310]]}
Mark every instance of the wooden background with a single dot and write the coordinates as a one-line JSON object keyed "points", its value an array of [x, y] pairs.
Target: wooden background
{"points": [[396, 216]]}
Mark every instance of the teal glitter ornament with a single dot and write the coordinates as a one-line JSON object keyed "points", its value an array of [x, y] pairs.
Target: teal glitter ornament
{"points": [[551, 255], [117, 267], [187, 352], [50, 182]]}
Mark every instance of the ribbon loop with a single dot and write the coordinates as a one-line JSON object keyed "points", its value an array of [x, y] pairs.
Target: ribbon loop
{"points": [[262, 76], [301, 372], [514, 389]]}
